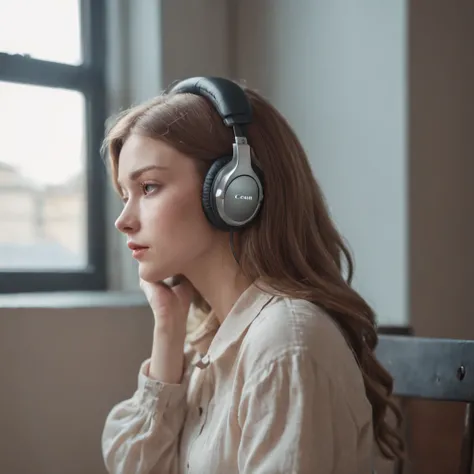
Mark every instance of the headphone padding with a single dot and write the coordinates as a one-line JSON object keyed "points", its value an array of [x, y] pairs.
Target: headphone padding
{"points": [[207, 200], [228, 98]]}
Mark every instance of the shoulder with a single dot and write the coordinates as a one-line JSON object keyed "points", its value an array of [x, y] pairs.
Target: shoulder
{"points": [[289, 325], [295, 346], [289, 330]]}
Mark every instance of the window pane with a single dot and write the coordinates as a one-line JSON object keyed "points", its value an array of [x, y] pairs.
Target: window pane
{"points": [[43, 212], [43, 29]]}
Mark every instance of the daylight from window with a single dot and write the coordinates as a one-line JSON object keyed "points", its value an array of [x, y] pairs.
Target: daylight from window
{"points": [[43, 211]]}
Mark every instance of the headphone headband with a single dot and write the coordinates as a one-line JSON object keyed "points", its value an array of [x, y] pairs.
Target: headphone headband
{"points": [[228, 98], [232, 192]]}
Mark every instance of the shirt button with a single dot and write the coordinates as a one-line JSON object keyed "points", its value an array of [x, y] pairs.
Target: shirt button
{"points": [[204, 362]]}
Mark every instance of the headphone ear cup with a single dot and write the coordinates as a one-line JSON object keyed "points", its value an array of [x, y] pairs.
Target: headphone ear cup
{"points": [[208, 201]]}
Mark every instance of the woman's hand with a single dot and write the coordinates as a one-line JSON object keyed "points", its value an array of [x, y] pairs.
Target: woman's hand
{"points": [[169, 301], [170, 306]]}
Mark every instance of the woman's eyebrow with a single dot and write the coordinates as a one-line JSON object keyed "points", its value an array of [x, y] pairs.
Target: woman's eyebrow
{"points": [[134, 175]]}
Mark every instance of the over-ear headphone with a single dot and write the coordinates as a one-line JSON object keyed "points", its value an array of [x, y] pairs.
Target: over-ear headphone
{"points": [[232, 192]]}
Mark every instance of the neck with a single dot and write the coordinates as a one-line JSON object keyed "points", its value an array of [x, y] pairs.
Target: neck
{"points": [[219, 280]]}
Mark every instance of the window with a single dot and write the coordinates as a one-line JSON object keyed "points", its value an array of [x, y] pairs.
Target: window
{"points": [[52, 114]]}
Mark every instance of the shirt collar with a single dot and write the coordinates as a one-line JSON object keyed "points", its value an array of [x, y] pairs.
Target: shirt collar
{"points": [[247, 307]]}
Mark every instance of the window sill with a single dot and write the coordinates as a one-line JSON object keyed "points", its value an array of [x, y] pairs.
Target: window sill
{"points": [[73, 299]]}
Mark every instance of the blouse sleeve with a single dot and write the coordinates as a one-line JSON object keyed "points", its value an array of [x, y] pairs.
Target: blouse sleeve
{"points": [[141, 434], [289, 416]]}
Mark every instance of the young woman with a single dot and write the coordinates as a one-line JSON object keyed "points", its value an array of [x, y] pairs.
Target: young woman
{"points": [[279, 376]]}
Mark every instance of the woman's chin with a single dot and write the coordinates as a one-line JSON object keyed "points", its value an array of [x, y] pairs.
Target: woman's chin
{"points": [[151, 274]]}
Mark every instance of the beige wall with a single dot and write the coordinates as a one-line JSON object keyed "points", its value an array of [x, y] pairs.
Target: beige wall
{"points": [[61, 372], [442, 167], [441, 146]]}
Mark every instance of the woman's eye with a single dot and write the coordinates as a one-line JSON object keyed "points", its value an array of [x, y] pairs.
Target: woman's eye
{"points": [[148, 187]]}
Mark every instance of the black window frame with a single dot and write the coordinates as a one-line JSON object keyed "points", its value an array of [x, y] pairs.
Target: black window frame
{"points": [[89, 79]]}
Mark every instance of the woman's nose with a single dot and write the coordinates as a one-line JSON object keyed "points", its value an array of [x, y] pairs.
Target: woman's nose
{"points": [[127, 221]]}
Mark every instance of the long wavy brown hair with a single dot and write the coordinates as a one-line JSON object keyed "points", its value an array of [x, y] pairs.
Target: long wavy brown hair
{"points": [[293, 246]]}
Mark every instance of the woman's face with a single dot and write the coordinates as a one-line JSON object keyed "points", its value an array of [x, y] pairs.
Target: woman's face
{"points": [[162, 215]]}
